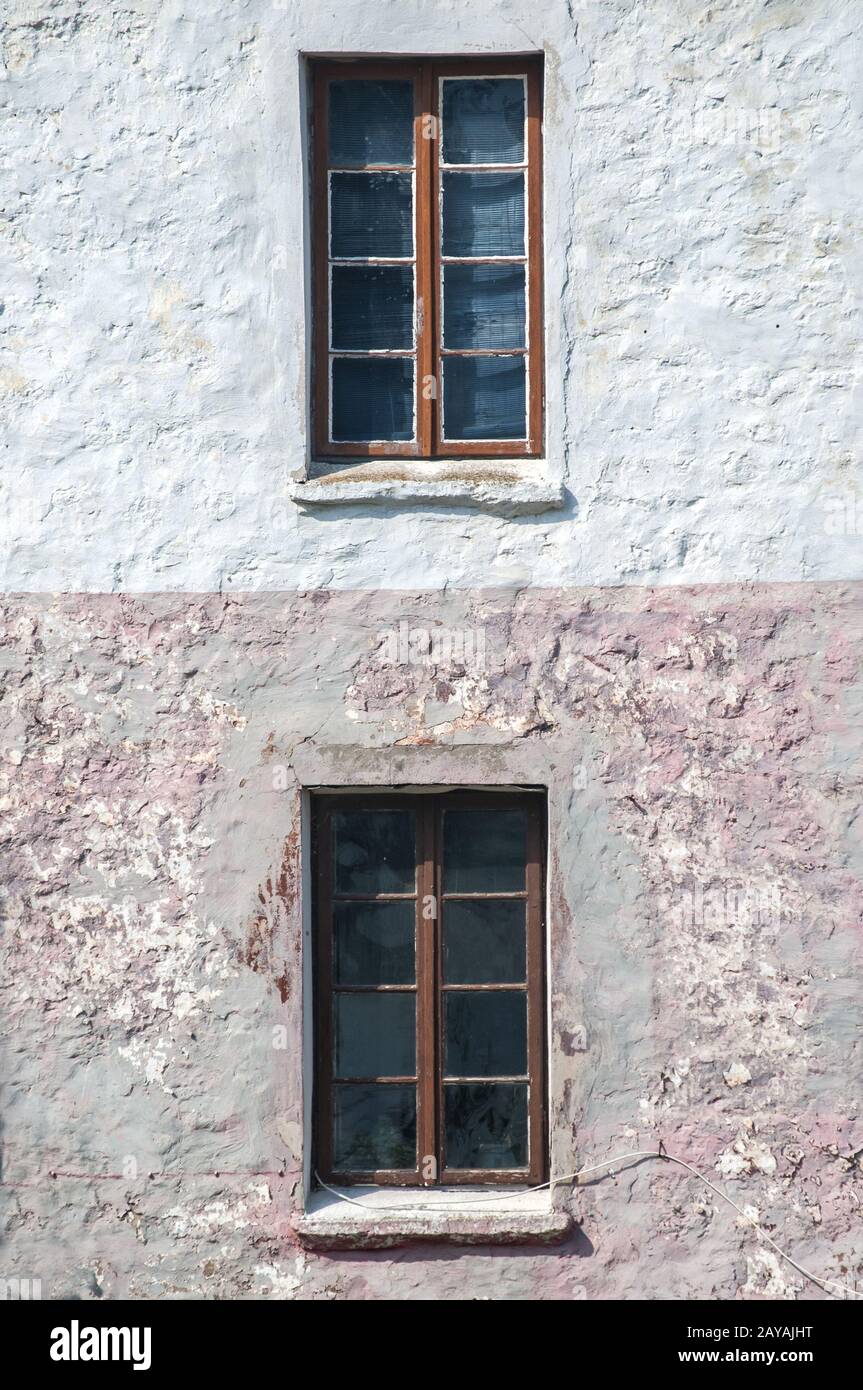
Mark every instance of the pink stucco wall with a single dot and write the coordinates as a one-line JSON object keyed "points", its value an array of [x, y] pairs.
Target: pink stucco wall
{"points": [[701, 750]]}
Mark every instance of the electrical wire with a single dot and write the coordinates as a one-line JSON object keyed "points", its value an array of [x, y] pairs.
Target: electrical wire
{"points": [[614, 1161]]}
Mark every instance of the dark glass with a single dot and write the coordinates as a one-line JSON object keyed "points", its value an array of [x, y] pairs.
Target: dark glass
{"points": [[375, 1034], [371, 122], [371, 215], [484, 398], [484, 851], [374, 851], [483, 306], [373, 398], [483, 214], [485, 1033], [483, 120], [486, 1126], [484, 943], [374, 1127], [373, 943], [372, 307]]}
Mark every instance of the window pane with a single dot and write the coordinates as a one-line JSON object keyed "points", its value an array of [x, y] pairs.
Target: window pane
{"points": [[484, 943], [375, 1034], [484, 851], [372, 307], [484, 398], [483, 306], [374, 851], [486, 1034], [371, 215], [371, 122], [486, 1126], [373, 399], [483, 214], [483, 120], [374, 1127], [373, 944]]}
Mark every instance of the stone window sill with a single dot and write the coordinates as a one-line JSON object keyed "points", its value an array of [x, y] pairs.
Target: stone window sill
{"points": [[392, 1216], [509, 486]]}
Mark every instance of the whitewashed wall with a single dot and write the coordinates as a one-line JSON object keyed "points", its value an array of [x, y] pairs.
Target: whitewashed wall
{"points": [[704, 191]]}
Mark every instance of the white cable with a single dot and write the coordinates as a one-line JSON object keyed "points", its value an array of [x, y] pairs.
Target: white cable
{"points": [[825, 1284]]}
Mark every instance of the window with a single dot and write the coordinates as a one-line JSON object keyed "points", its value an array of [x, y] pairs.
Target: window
{"points": [[428, 991], [428, 294]]}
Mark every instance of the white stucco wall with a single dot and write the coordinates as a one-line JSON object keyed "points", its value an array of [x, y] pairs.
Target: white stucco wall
{"points": [[703, 195]]}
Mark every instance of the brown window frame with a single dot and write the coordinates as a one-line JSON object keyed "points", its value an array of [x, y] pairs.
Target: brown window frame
{"points": [[426, 75], [430, 987]]}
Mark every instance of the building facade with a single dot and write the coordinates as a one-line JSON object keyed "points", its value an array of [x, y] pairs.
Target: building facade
{"points": [[654, 622]]}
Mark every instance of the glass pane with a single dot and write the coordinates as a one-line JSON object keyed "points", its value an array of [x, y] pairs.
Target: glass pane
{"points": [[374, 1127], [373, 398], [371, 122], [372, 307], [483, 120], [484, 398], [371, 215], [484, 851], [483, 306], [486, 1126], [483, 214], [484, 943], [486, 1034], [374, 851], [373, 943], [375, 1034]]}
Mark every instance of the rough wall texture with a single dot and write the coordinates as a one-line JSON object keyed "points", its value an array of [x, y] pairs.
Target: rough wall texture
{"points": [[701, 750], [703, 186], [702, 194]]}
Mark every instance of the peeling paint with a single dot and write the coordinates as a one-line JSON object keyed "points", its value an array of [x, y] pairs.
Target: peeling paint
{"points": [[701, 750]]}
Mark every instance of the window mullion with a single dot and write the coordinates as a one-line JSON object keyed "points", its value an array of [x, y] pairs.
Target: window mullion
{"points": [[424, 160], [426, 1003], [435, 268]]}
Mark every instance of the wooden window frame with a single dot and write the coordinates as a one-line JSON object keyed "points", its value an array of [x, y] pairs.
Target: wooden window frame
{"points": [[426, 75], [430, 987]]}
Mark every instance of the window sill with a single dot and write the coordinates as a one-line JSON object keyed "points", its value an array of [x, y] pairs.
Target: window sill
{"points": [[393, 1216], [511, 487]]}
